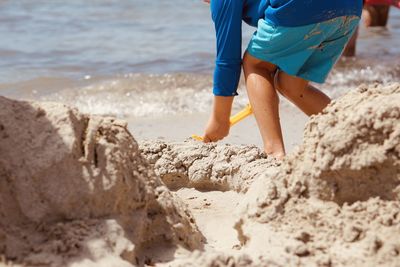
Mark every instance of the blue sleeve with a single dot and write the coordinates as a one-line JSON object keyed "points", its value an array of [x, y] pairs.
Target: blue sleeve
{"points": [[227, 17]]}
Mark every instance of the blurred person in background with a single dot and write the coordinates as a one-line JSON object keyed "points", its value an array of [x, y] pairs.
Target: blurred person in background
{"points": [[375, 14]]}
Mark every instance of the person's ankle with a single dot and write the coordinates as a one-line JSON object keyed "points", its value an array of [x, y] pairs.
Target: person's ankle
{"points": [[277, 153], [278, 156]]}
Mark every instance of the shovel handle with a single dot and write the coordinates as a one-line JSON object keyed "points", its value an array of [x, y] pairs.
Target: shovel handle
{"points": [[247, 111]]}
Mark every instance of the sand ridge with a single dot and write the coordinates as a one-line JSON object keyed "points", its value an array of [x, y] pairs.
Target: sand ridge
{"points": [[206, 166]]}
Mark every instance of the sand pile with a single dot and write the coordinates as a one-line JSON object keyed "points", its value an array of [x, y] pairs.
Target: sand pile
{"points": [[335, 201], [74, 189], [206, 166], [351, 151]]}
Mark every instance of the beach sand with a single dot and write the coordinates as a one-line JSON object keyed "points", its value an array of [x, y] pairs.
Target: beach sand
{"points": [[180, 127], [79, 190]]}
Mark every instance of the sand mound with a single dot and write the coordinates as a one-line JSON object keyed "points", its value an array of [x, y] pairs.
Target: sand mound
{"points": [[74, 187], [335, 201], [310, 232], [206, 166], [351, 152]]}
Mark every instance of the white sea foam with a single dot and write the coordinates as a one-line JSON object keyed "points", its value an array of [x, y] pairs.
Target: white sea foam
{"points": [[134, 95]]}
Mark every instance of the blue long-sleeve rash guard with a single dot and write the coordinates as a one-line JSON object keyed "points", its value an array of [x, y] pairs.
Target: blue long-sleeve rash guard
{"points": [[229, 14]]}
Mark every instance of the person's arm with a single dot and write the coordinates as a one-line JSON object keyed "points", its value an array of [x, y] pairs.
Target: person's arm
{"points": [[218, 125], [227, 17]]}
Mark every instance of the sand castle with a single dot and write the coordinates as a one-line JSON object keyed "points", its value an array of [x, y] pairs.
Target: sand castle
{"points": [[76, 190], [75, 187]]}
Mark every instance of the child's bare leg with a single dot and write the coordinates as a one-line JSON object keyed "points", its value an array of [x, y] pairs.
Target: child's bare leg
{"points": [[308, 98], [265, 103], [376, 15], [350, 49]]}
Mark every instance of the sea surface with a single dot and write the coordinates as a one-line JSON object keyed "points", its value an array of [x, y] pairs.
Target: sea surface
{"points": [[143, 58]]}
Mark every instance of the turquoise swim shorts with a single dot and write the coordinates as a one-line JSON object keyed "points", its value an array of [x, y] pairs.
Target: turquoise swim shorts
{"points": [[309, 52]]}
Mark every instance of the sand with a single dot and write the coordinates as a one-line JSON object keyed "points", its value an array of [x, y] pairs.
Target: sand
{"points": [[77, 190], [206, 166], [179, 127]]}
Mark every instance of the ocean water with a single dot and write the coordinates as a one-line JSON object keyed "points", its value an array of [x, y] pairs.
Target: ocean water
{"points": [[143, 58]]}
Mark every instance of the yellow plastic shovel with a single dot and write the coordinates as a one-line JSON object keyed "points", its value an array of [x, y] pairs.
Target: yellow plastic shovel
{"points": [[247, 111]]}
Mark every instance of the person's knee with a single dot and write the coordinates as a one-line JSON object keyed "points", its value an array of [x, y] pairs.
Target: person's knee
{"points": [[246, 63], [249, 63], [252, 64]]}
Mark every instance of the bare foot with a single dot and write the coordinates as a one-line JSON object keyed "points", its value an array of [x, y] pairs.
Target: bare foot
{"points": [[279, 156]]}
